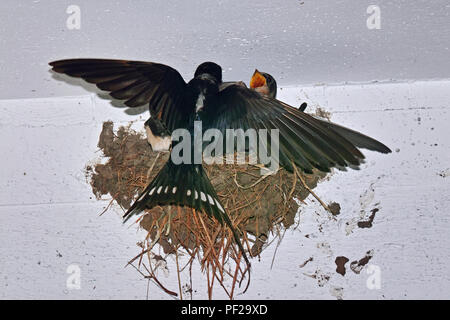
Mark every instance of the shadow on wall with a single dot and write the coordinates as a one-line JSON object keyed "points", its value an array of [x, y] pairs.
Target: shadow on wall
{"points": [[92, 88]]}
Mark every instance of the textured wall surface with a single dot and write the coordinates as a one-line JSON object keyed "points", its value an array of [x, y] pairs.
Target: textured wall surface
{"points": [[302, 42], [49, 218]]}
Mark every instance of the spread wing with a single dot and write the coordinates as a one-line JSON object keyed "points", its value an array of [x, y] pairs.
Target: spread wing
{"points": [[303, 139], [357, 138], [136, 82]]}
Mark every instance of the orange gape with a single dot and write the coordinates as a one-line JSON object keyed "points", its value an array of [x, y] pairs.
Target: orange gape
{"points": [[257, 80]]}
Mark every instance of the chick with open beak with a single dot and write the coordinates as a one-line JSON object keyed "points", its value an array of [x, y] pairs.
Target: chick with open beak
{"points": [[264, 83]]}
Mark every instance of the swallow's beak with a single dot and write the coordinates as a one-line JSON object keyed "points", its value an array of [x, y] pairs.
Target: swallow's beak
{"points": [[258, 80]]}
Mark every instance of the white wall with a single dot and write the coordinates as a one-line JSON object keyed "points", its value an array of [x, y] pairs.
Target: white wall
{"points": [[49, 218], [47, 208], [319, 41]]}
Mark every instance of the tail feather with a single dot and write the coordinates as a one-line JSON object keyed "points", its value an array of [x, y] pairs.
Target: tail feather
{"points": [[184, 185]]}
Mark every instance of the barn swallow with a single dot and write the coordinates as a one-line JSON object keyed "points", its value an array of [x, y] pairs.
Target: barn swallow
{"points": [[266, 85], [174, 104], [305, 141], [157, 134]]}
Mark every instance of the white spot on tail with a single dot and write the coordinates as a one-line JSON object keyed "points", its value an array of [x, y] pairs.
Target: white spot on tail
{"points": [[203, 196], [174, 189], [167, 188], [219, 206], [211, 200], [159, 190], [141, 196], [189, 192], [196, 195], [151, 191]]}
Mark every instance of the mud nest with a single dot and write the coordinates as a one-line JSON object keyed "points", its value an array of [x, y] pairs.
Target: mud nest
{"points": [[258, 206]]}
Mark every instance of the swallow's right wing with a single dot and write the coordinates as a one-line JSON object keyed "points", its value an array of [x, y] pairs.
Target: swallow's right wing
{"points": [[303, 139], [357, 138], [136, 82]]}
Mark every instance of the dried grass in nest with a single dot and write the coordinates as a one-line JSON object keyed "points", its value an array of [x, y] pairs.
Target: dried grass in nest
{"points": [[257, 206]]}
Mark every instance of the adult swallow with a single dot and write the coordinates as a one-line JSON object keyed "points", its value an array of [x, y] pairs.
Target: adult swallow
{"points": [[174, 104], [265, 84], [304, 140]]}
